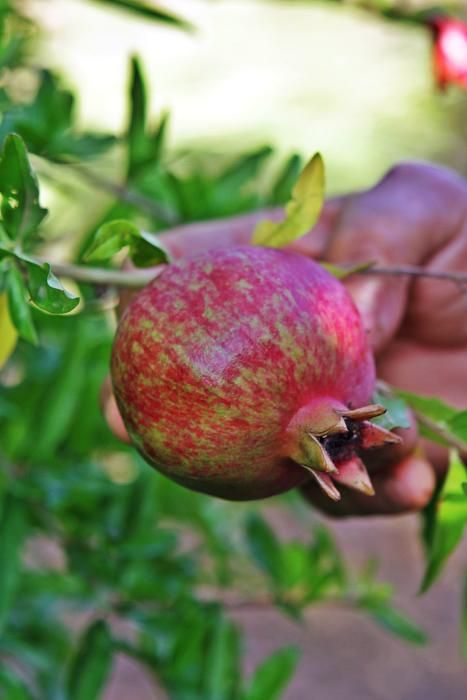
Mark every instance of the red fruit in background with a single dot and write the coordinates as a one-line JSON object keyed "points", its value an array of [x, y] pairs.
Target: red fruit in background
{"points": [[449, 51], [236, 373]]}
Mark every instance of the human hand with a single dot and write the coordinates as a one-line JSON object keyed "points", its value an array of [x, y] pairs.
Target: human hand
{"points": [[416, 215]]}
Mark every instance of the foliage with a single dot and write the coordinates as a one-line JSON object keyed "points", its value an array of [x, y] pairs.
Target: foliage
{"points": [[98, 554], [301, 213]]}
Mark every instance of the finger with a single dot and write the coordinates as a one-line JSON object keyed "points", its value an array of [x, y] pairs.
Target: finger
{"points": [[359, 236], [426, 370], [408, 216], [437, 310], [407, 487], [111, 413]]}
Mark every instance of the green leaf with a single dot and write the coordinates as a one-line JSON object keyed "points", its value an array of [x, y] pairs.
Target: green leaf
{"points": [[149, 11], [343, 272], [430, 406], [241, 172], [113, 236], [398, 624], [136, 132], [272, 675], [147, 250], [47, 124], [282, 188], [264, 547], [47, 292], [464, 618], [397, 414], [446, 418], [222, 661], [301, 212], [458, 425], [8, 332], [92, 663], [450, 518], [12, 687], [21, 211], [12, 533], [18, 306], [144, 146]]}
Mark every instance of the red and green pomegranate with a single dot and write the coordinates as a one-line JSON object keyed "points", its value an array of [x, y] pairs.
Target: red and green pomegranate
{"points": [[245, 372]]}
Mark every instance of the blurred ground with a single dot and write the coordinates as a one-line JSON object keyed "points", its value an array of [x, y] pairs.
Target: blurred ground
{"points": [[345, 656]]}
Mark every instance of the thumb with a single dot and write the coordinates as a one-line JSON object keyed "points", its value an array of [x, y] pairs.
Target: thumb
{"points": [[381, 303]]}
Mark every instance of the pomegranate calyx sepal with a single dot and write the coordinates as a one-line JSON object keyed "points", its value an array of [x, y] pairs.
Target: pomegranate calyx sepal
{"points": [[325, 482], [354, 475], [363, 413], [372, 435]]}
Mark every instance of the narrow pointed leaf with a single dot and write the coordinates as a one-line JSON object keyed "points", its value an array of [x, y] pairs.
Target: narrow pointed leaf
{"points": [[241, 172], [458, 425], [282, 188], [272, 675], [136, 133], [343, 272], [8, 332], [450, 420], [12, 533], [12, 687], [264, 547], [20, 208], [398, 624], [149, 11], [464, 618], [222, 661], [91, 665], [301, 212], [18, 306], [449, 519]]}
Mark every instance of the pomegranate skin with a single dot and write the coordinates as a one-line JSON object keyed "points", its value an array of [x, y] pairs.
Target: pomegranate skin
{"points": [[214, 360]]}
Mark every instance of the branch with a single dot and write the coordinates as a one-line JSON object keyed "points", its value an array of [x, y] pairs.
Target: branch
{"points": [[132, 279], [140, 277], [432, 425], [149, 206], [413, 271], [442, 432]]}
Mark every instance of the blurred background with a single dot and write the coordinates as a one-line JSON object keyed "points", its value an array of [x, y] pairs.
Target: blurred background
{"points": [[252, 88]]}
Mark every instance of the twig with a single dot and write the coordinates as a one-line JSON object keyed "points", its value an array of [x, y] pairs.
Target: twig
{"points": [[413, 271], [149, 206], [134, 279], [442, 432], [138, 278]]}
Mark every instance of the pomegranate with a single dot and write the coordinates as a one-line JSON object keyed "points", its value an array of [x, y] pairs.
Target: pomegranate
{"points": [[449, 51], [244, 372]]}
